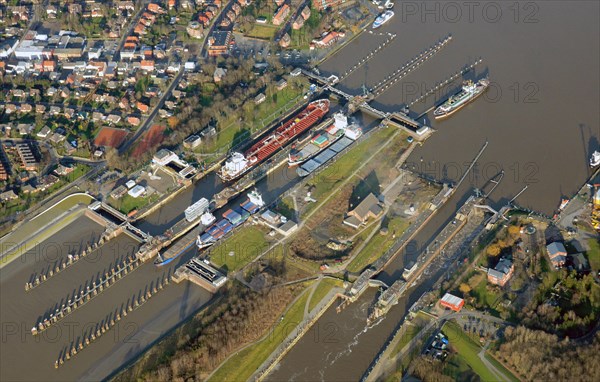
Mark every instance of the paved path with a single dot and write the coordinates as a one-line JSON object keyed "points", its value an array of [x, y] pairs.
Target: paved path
{"points": [[312, 291], [497, 373]]}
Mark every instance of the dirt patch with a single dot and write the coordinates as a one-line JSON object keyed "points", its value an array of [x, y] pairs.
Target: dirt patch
{"points": [[110, 137], [327, 223], [149, 139]]}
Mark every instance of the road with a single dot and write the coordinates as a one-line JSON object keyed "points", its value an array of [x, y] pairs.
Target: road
{"points": [[148, 122], [286, 27], [132, 25], [388, 361], [497, 373]]}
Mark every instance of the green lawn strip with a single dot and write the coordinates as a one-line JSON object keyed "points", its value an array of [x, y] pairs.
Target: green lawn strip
{"points": [[40, 237], [328, 180], [27, 229], [501, 367], [467, 350], [241, 366], [593, 254], [410, 331], [321, 291], [378, 245], [266, 32], [128, 203], [239, 249]]}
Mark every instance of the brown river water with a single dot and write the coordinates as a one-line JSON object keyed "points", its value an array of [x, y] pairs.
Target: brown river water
{"points": [[541, 119], [540, 116]]}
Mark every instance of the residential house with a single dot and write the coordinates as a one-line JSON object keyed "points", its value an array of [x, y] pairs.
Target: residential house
{"points": [[281, 84], [305, 12], [113, 118], [192, 142], [8, 195], [298, 23], [557, 254], [501, 273], [369, 207], [142, 107], [44, 132], [26, 108], [285, 41], [579, 262], [133, 120], [260, 98], [328, 39], [62, 170], [219, 74], [281, 14]]}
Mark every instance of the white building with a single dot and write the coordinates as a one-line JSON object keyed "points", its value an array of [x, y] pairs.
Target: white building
{"points": [[136, 191]]}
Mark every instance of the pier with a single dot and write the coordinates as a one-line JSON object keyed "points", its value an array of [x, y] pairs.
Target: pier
{"points": [[408, 67], [369, 56], [441, 84]]}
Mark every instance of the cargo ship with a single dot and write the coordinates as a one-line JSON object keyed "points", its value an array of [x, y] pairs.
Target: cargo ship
{"points": [[469, 92], [383, 18], [351, 134], [232, 218], [206, 219], [238, 164], [595, 159], [320, 141]]}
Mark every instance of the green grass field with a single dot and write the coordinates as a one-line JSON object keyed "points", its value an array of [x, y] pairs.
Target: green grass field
{"points": [[241, 366], [467, 356], [245, 245], [329, 179], [323, 288], [483, 296], [467, 351], [378, 245], [593, 254], [128, 203], [254, 118], [265, 32]]}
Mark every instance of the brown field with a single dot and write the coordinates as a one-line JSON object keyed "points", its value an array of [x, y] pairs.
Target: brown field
{"points": [[110, 137], [149, 139]]}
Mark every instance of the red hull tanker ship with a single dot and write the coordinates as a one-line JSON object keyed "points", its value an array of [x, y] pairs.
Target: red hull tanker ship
{"points": [[238, 164]]}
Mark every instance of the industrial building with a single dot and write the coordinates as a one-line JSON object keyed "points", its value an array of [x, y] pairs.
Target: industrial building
{"points": [[453, 302]]}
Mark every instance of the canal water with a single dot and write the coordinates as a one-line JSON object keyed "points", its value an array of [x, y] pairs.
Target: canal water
{"points": [[540, 117], [27, 358]]}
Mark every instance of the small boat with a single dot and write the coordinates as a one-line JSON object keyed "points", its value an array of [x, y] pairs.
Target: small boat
{"points": [[563, 204], [595, 159], [383, 18]]}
